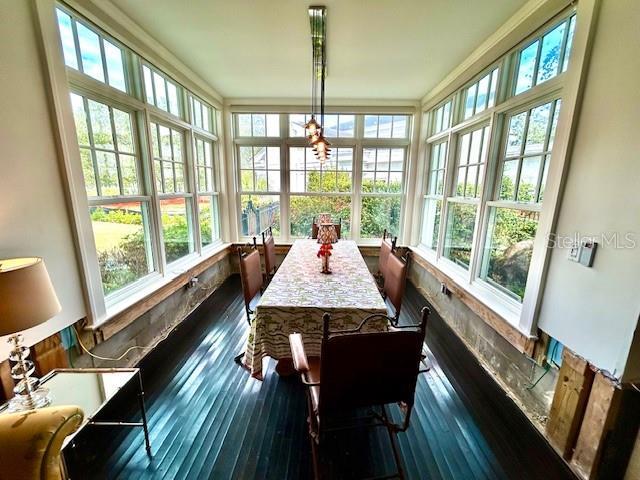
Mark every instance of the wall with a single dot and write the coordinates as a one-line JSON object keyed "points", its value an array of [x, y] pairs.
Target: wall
{"points": [[594, 311], [155, 323], [514, 371], [33, 213]]}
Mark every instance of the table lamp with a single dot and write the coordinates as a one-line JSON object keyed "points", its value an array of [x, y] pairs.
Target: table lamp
{"points": [[27, 299]]}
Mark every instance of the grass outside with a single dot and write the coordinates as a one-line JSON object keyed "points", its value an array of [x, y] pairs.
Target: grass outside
{"points": [[108, 235]]}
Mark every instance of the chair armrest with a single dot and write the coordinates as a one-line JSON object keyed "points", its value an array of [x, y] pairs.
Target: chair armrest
{"points": [[30, 442], [300, 362]]}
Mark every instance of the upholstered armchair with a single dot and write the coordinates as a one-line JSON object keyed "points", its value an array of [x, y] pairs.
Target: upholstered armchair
{"points": [[31, 442]]}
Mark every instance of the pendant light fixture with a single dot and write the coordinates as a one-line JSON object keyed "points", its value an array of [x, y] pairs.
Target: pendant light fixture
{"points": [[320, 145]]}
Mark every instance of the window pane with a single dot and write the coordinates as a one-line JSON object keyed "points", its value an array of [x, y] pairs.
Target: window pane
{"points": [[529, 179], [384, 126], [108, 173], [296, 125], [115, 67], [80, 118], [259, 125], [567, 49], [399, 126], [90, 52], [100, 125], [516, 134], [148, 84], [259, 212], [330, 126], [208, 212], [370, 126], [129, 173], [470, 101], [303, 209], [508, 251], [508, 182], [526, 67], [88, 172], [66, 36], [244, 125], [173, 99], [431, 223], [459, 234], [537, 131], [273, 125], [347, 126], [550, 53], [176, 229], [483, 93], [161, 93], [122, 243], [124, 135], [378, 214], [493, 88]]}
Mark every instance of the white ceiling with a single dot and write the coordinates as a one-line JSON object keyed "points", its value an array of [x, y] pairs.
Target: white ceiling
{"points": [[376, 49]]}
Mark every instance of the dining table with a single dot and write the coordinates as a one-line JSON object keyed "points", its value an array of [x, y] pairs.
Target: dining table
{"points": [[299, 294]]}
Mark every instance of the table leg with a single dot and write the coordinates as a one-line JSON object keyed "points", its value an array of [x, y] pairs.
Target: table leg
{"points": [[143, 411]]}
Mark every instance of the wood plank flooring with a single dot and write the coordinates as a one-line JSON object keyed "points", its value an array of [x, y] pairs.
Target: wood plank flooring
{"points": [[209, 419]]}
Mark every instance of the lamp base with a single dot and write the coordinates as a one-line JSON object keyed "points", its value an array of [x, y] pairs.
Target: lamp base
{"points": [[28, 393], [37, 399]]}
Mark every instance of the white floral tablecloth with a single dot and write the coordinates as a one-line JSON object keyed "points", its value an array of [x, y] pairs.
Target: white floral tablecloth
{"points": [[299, 294]]}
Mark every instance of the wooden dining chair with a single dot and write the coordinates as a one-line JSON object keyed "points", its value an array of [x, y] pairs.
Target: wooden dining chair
{"points": [[395, 282], [251, 278], [360, 370], [269, 246], [387, 246]]}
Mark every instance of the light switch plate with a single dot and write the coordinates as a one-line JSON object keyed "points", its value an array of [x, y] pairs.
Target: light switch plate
{"points": [[574, 252]]}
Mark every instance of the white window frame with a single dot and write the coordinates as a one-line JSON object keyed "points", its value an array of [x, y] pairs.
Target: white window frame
{"points": [[63, 80], [566, 85], [358, 142]]}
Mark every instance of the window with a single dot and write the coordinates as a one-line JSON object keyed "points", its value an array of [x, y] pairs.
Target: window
{"points": [[434, 196], [201, 116], [513, 216], [382, 170], [91, 53], [207, 192], [483, 199], [386, 126], [335, 126], [332, 179], [442, 117], [545, 57], [258, 125], [259, 172], [110, 164], [366, 203], [481, 95], [149, 203], [160, 91]]}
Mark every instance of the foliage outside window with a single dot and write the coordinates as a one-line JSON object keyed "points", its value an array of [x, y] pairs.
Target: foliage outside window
{"points": [[309, 188], [501, 221], [137, 202]]}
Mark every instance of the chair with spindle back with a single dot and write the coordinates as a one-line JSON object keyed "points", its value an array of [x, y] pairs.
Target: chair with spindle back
{"points": [[251, 278], [395, 282], [269, 246], [360, 370]]}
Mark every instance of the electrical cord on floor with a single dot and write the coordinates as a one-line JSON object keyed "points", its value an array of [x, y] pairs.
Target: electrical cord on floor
{"points": [[165, 334]]}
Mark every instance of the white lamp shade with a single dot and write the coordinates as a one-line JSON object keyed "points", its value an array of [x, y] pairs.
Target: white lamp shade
{"points": [[27, 297]]}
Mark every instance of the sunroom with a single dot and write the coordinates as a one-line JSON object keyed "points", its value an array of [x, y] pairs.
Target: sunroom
{"points": [[341, 240]]}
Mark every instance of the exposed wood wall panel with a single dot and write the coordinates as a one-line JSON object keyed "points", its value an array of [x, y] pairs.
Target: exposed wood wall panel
{"points": [[569, 403]]}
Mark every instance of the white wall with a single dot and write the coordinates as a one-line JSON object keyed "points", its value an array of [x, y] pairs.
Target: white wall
{"points": [[33, 213], [594, 311]]}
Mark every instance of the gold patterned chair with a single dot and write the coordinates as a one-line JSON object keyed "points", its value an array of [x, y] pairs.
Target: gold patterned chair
{"points": [[31, 442]]}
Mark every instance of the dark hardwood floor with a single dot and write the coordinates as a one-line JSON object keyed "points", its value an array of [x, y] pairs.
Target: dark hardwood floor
{"points": [[209, 419]]}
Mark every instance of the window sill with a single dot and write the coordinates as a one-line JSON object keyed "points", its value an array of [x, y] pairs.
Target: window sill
{"points": [[127, 310], [502, 315]]}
